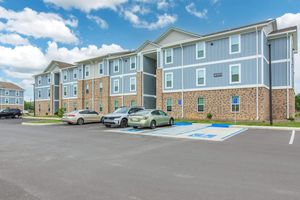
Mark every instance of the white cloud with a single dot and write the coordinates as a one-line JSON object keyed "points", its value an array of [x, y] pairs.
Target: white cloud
{"points": [[214, 1], [287, 20], [191, 8], [38, 25], [101, 22], [13, 39], [162, 20], [87, 5]]}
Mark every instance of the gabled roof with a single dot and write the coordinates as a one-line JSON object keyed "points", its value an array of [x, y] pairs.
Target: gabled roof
{"points": [[59, 64], [182, 33], [289, 30], [104, 56], [146, 44], [9, 85], [284, 30]]}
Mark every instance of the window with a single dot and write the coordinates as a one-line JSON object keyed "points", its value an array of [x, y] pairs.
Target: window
{"points": [[200, 50], [169, 80], [39, 94], [235, 44], [39, 80], [65, 75], [132, 103], [6, 101], [17, 93], [17, 101], [65, 107], [100, 106], [101, 87], [74, 106], [116, 86], [39, 107], [235, 73], [101, 70], [132, 84], [87, 88], [200, 76], [49, 93], [49, 78], [74, 90], [75, 74], [116, 65], [169, 56], [116, 104], [200, 104], [49, 107], [65, 91], [169, 104], [235, 103], [87, 71], [87, 105], [6, 92], [132, 63]]}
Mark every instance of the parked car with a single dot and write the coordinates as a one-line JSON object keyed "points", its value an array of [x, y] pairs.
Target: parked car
{"points": [[11, 113], [81, 117], [150, 119], [120, 116]]}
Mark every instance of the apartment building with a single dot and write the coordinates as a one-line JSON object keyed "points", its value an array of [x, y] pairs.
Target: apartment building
{"points": [[190, 75], [11, 96]]}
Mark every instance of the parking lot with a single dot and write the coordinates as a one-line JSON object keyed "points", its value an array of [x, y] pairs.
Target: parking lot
{"points": [[93, 162]]}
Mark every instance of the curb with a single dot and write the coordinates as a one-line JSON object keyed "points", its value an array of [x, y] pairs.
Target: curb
{"points": [[40, 124], [56, 118]]}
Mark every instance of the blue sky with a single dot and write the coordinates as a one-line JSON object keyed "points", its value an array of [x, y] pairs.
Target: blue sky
{"points": [[33, 32]]}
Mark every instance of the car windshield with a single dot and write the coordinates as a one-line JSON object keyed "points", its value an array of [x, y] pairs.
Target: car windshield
{"points": [[121, 110], [142, 112]]}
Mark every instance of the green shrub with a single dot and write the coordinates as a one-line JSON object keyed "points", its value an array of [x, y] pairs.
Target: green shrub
{"points": [[60, 112], [297, 102], [209, 116]]}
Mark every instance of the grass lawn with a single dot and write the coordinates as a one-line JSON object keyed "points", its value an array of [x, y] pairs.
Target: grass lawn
{"points": [[247, 123], [46, 121]]}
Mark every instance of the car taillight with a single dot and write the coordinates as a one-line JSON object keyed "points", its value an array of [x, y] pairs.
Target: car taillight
{"points": [[71, 115]]}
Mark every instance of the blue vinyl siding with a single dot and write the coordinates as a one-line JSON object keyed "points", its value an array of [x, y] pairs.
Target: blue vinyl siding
{"points": [[44, 78], [215, 50], [124, 66], [149, 85], [44, 93], [112, 85], [11, 97], [70, 77], [279, 48], [248, 75], [70, 88], [279, 74], [123, 88], [126, 81]]}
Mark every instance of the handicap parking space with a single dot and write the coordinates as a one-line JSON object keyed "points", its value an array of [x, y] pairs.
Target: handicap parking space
{"points": [[187, 131]]}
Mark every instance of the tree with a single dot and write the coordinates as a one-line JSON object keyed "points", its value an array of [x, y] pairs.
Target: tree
{"points": [[297, 101]]}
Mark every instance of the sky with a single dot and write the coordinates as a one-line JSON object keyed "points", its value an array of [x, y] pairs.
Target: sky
{"points": [[34, 32]]}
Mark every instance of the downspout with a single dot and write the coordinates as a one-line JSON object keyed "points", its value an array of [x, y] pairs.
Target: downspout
{"points": [[270, 86], [34, 114], [257, 82], [182, 115], [93, 79], [122, 77], [287, 79]]}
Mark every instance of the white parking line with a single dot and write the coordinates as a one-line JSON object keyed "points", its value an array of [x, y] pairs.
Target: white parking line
{"points": [[292, 137]]}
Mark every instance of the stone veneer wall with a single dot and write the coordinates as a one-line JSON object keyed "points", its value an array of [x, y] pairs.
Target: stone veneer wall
{"points": [[123, 101], [104, 96], [139, 89], [280, 103], [159, 94], [41, 108]]}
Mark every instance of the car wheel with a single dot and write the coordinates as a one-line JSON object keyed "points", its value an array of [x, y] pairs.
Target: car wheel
{"points": [[107, 126], [16, 116], [124, 123], [171, 122], [153, 124], [135, 127], [80, 121], [69, 123], [101, 120]]}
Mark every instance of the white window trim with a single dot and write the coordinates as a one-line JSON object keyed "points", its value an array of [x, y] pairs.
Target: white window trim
{"points": [[75, 71], [65, 89], [239, 51], [238, 104], [65, 75], [132, 80], [99, 67], [17, 93], [204, 70], [171, 56], [166, 74], [75, 86], [131, 58], [170, 105], [117, 81], [6, 92], [39, 80], [87, 68], [49, 78], [17, 101], [48, 93], [39, 94], [118, 64], [6, 101], [203, 104], [240, 74], [101, 86], [204, 50]]}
